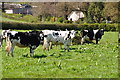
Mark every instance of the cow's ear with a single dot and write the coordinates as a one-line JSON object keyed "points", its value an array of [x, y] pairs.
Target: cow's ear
{"points": [[41, 32]]}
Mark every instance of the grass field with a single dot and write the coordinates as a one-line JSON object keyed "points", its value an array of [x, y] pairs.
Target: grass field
{"points": [[83, 61], [10, 20]]}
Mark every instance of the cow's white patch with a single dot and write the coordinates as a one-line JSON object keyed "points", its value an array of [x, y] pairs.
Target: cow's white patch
{"points": [[0, 43], [13, 32], [95, 31]]}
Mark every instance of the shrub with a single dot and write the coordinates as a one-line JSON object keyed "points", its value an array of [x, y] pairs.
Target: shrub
{"points": [[33, 26], [53, 19], [67, 21], [30, 18], [60, 19], [48, 18]]}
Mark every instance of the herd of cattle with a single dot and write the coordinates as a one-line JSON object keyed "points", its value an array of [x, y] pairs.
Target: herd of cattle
{"points": [[33, 39]]}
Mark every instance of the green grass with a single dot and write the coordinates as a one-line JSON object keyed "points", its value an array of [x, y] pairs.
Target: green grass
{"points": [[83, 61], [10, 20]]}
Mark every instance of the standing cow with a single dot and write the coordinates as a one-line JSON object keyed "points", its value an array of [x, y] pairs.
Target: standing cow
{"points": [[64, 37], [25, 39], [89, 35]]}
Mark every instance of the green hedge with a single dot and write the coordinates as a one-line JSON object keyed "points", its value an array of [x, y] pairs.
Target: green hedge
{"points": [[33, 26]]}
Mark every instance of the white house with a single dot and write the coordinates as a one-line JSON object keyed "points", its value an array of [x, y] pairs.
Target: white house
{"points": [[9, 11], [75, 15]]}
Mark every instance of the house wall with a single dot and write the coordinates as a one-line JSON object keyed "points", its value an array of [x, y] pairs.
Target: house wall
{"points": [[75, 15], [22, 11], [9, 11]]}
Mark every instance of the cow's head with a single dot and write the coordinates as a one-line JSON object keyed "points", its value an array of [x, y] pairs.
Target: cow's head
{"points": [[4, 33], [84, 32], [102, 31], [41, 34], [71, 34]]}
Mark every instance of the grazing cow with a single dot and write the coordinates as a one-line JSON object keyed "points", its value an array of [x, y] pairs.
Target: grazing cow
{"points": [[89, 35], [64, 37], [30, 39]]}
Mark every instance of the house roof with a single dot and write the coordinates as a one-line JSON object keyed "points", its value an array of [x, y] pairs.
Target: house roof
{"points": [[9, 6]]}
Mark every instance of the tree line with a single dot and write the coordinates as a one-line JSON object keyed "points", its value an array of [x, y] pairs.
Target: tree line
{"points": [[95, 12]]}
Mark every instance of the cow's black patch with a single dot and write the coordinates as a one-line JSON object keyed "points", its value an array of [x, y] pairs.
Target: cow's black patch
{"points": [[69, 35], [45, 35], [99, 34], [55, 33], [90, 34]]}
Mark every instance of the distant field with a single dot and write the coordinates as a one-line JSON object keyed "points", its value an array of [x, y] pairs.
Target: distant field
{"points": [[9, 20], [83, 61]]}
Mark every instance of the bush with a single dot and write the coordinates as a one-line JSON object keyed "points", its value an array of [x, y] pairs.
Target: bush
{"points": [[30, 18], [67, 21], [53, 19], [48, 18], [60, 19], [33, 26]]}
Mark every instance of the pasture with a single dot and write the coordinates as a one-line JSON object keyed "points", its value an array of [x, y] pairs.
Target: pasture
{"points": [[83, 61]]}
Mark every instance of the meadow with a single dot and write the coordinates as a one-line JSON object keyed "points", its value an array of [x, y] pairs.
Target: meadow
{"points": [[83, 61]]}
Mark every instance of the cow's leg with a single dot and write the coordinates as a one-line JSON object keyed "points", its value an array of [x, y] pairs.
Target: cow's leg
{"points": [[31, 52], [65, 47], [60, 46], [7, 53], [50, 45], [82, 41], [11, 51], [1, 42], [46, 46], [68, 48], [96, 41], [7, 49]]}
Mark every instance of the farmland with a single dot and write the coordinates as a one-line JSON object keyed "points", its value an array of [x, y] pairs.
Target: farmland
{"points": [[83, 61]]}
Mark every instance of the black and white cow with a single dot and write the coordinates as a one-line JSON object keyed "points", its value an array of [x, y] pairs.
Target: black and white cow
{"points": [[89, 35], [64, 37], [30, 39]]}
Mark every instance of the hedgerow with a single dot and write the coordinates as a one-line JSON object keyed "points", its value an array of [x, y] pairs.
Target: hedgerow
{"points": [[36, 26]]}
